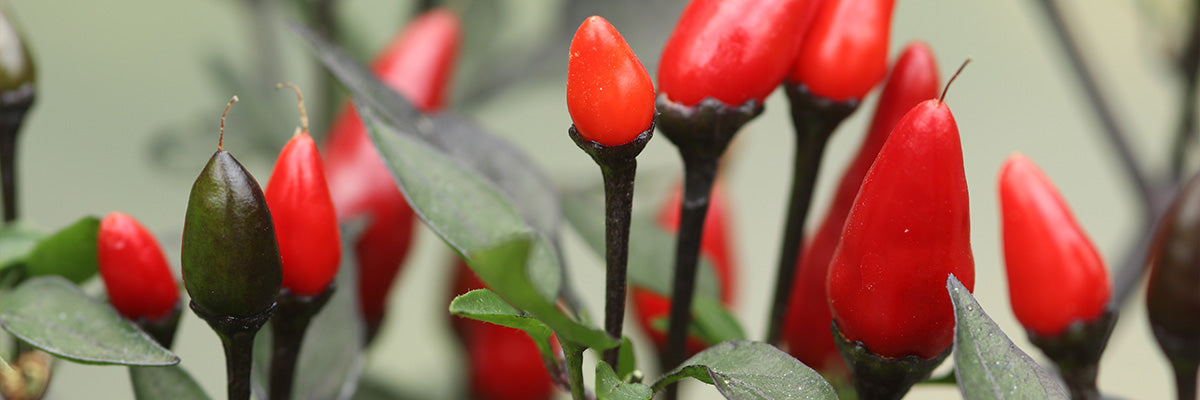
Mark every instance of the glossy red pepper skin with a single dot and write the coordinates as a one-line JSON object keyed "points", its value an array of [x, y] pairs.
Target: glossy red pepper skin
{"points": [[716, 244], [1055, 275], [609, 94], [908, 230], [134, 269], [418, 64], [733, 51], [913, 79], [845, 50], [504, 363], [306, 227]]}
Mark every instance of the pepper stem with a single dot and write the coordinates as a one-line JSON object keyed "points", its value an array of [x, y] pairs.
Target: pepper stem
{"points": [[221, 139], [814, 118], [288, 326], [299, 104], [1077, 353], [237, 337], [574, 357], [15, 104], [618, 165]]}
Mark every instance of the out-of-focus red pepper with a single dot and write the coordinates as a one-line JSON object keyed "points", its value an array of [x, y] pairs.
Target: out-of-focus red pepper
{"points": [[716, 244], [418, 63], [134, 270]]}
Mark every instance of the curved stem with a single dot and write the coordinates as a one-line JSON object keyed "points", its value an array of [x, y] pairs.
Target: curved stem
{"points": [[1189, 67], [574, 356], [1117, 137], [618, 204]]}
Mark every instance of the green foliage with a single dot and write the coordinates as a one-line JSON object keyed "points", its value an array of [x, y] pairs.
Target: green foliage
{"points": [[751, 370], [610, 387], [69, 253], [52, 314], [987, 364], [169, 382]]}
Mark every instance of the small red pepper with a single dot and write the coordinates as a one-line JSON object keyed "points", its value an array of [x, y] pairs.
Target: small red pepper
{"points": [[504, 363], [845, 50], [418, 64], [1055, 275], [716, 244], [908, 230], [136, 275], [306, 227], [733, 51], [609, 94], [913, 79]]}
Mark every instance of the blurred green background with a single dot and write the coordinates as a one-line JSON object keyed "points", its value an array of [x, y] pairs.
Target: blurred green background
{"points": [[130, 93]]}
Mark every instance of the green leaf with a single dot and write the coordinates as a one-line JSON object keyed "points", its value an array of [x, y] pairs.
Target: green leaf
{"points": [[484, 305], [70, 252], [751, 370], [52, 314], [986, 363], [16, 241], [714, 323], [501, 268], [331, 358], [626, 359], [171, 382], [610, 387]]}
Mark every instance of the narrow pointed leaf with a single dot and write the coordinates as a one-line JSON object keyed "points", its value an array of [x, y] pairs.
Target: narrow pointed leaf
{"points": [[171, 382], [52, 314], [986, 363], [627, 359], [484, 305], [751, 370], [610, 387]]}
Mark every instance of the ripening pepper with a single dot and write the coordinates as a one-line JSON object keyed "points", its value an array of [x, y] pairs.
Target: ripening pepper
{"points": [[1055, 275], [845, 50], [305, 222], [913, 79], [230, 257], [418, 63], [1172, 300], [715, 243], [135, 272], [503, 363], [609, 94], [733, 51], [908, 230]]}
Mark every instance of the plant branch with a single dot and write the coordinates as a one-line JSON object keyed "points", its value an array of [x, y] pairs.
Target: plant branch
{"points": [[1189, 67], [1113, 133]]}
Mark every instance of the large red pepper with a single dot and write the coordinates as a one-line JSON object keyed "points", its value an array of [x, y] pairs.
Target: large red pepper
{"points": [[908, 230], [715, 244], [1055, 275], [418, 64], [733, 51], [806, 334], [845, 50]]}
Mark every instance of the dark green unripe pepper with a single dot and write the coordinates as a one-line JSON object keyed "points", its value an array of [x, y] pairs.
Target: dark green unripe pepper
{"points": [[231, 264]]}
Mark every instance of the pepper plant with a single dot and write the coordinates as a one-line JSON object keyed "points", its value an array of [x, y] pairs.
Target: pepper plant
{"points": [[868, 307]]}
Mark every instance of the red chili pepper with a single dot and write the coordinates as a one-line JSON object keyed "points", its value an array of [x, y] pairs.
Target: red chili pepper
{"points": [[1055, 275], [913, 79], [733, 51], [503, 362], [136, 275], [310, 244], [418, 64], [908, 230], [609, 94], [845, 51], [716, 244]]}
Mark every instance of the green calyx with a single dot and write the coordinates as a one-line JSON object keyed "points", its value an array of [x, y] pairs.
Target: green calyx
{"points": [[231, 264]]}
